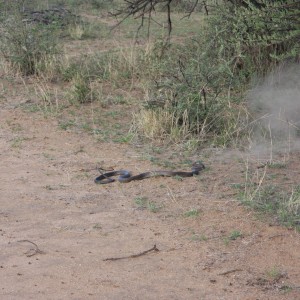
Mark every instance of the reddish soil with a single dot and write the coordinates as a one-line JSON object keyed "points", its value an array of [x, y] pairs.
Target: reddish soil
{"points": [[58, 227], [48, 197]]}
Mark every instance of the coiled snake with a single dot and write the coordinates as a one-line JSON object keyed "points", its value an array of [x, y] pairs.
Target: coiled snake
{"points": [[125, 176]]}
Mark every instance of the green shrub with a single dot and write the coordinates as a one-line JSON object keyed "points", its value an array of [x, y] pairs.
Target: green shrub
{"points": [[197, 88], [202, 82], [27, 47], [80, 91], [257, 34]]}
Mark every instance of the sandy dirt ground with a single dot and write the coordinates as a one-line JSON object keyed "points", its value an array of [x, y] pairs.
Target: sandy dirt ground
{"points": [[58, 227]]}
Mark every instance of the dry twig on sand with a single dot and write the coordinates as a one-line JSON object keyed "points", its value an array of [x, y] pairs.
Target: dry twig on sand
{"points": [[34, 251], [154, 248]]}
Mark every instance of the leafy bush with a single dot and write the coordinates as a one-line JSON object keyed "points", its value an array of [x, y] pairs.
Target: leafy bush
{"points": [[196, 85], [80, 90], [27, 47], [258, 34], [202, 83]]}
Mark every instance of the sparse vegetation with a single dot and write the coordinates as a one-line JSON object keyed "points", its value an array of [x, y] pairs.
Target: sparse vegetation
{"points": [[145, 203], [80, 91], [192, 213], [235, 234], [199, 237], [67, 124], [17, 142], [274, 274], [273, 200]]}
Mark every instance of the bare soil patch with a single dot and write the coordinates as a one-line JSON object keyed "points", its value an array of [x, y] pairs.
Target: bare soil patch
{"points": [[48, 198]]}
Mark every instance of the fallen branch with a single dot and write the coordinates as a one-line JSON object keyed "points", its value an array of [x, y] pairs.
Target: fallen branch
{"points": [[154, 248], [276, 235], [35, 251], [230, 271]]}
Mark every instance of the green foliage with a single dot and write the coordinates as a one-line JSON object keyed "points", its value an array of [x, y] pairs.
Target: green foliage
{"points": [[198, 87], [191, 213], [27, 47], [258, 34], [80, 91], [234, 235], [274, 273]]}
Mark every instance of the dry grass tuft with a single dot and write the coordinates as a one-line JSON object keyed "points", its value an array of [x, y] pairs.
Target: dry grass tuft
{"points": [[161, 125]]}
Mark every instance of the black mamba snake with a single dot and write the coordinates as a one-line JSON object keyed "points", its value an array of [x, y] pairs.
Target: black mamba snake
{"points": [[125, 176]]}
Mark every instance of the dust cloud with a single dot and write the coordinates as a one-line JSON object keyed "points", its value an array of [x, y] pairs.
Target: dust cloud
{"points": [[275, 103]]}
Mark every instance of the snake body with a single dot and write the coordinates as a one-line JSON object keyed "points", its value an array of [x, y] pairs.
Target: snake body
{"points": [[125, 176]]}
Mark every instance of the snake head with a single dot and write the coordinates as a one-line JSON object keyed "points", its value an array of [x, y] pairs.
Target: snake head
{"points": [[197, 167]]}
